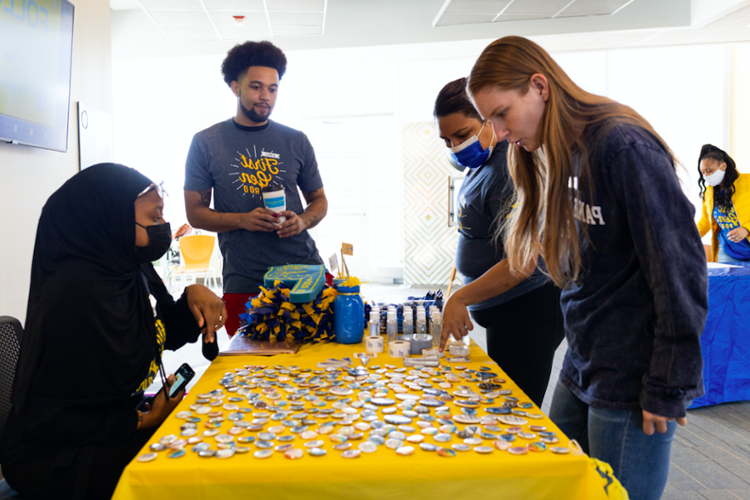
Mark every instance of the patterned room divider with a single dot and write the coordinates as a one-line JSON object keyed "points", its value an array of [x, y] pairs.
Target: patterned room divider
{"points": [[430, 244]]}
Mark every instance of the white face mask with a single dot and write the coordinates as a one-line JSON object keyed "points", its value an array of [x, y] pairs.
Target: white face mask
{"points": [[715, 178]]}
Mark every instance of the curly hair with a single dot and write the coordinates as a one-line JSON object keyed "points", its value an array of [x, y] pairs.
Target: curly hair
{"points": [[242, 56], [723, 196]]}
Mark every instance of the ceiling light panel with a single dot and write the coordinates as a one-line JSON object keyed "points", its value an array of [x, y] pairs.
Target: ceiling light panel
{"points": [[546, 8], [236, 5], [476, 6], [744, 12], [171, 4], [296, 19], [520, 17], [297, 5], [592, 8], [236, 19], [180, 17], [463, 12], [460, 19]]}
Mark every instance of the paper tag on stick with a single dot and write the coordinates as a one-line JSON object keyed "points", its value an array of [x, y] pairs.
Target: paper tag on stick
{"points": [[333, 262], [347, 249]]}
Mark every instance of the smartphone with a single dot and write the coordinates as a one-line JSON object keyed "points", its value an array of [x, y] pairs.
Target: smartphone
{"points": [[182, 376]]}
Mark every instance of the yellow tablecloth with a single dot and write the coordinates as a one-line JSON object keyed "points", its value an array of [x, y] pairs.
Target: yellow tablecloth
{"points": [[380, 475]]}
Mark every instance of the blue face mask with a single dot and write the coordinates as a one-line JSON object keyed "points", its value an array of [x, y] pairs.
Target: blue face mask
{"points": [[470, 153]]}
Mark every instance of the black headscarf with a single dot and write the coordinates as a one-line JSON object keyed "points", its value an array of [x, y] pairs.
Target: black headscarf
{"points": [[90, 335]]}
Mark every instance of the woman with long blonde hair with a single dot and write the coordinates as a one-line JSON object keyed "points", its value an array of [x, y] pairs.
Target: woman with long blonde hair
{"points": [[598, 197]]}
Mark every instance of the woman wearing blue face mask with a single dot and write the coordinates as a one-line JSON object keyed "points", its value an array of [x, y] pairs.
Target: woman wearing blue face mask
{"points": [[726, 206], [527, 316]]}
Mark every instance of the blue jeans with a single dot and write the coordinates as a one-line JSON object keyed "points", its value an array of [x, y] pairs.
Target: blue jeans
{"points": [[724, 258], [640, 462]]}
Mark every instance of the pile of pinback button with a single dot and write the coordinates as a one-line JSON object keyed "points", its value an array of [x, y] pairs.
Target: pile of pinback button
{"points": [[292, 411]]}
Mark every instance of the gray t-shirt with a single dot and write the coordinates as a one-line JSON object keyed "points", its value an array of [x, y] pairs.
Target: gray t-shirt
{"points": [[237, 163]]}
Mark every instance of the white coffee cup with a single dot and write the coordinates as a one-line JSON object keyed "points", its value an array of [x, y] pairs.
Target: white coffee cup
{"points": [[275, 201]]}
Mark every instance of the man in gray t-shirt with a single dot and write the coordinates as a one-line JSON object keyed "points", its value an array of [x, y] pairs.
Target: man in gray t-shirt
{"points": [[234, 160]]}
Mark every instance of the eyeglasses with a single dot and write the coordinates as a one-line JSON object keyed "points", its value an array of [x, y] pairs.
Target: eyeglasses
{"points": [[158, 187]]}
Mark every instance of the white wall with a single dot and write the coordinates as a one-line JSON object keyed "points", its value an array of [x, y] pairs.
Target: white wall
{"points": [[29, 175], [161, 103], [684, 101], [159, 106], [740, 149]]}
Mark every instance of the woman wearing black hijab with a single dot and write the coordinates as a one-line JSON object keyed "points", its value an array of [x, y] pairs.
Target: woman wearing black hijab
{"points": [[97, 321]]}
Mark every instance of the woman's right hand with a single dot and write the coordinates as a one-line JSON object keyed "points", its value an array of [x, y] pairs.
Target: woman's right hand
{"points": [[160, 407], [456, 320], [497, 280]]}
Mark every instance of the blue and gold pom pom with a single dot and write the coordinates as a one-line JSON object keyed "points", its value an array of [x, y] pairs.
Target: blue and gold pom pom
{"points": [[271, 316]]}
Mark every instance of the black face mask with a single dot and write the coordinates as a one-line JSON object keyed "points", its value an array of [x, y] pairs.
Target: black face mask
{"points": [[159, 239]]}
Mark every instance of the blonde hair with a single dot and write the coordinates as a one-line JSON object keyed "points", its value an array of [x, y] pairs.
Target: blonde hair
{"points": [[543, 219]]}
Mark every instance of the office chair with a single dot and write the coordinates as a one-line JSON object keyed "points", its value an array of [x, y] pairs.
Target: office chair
{"points": [[10, 347]]}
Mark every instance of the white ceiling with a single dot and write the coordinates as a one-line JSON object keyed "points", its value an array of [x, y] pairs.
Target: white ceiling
{"points": [[172, 28], [462, 12], [221, 20]]}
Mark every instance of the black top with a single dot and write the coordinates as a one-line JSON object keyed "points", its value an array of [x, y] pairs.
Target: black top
{"points": [[91, 335], [634, 317]]}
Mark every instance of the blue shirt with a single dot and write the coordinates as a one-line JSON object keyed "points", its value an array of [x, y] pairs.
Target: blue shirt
{"points": [[483, 202], [728, 220]]}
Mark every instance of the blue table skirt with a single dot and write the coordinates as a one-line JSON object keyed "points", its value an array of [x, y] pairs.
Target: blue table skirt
{"points": [[726, 339]]}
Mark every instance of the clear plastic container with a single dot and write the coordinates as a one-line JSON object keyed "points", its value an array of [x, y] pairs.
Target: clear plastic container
{"points": [[437, 327], [391, 325], [374, 325], [408, 328], [421, 321]]}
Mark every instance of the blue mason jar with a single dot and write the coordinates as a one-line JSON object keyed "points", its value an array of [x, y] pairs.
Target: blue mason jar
{"points": [[348, 315]]}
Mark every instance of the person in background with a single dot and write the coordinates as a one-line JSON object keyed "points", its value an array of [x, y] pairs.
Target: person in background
{"points": [[726, 206], [234, 160], [599, 199], [173, 254], [98, 319], [529, 312], [183, 230]]}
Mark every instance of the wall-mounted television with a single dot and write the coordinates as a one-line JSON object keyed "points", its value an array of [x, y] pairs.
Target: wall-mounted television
{"points": [[36, 50]]}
